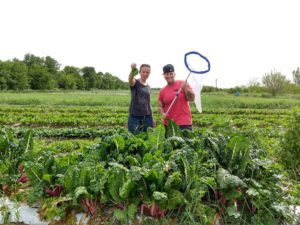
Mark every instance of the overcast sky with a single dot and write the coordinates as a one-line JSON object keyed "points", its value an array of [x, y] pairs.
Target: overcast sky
{"points": [[242, 39]]}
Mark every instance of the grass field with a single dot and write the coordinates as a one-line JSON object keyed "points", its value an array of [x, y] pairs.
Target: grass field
{"points": [[121, 98]]}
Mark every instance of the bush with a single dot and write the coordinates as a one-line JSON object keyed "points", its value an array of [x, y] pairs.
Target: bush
{"points": [[290, 144]]}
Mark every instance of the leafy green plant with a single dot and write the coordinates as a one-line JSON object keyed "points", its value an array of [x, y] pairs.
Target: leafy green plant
{"points": [[290, 146], [173, 129], [12, 155], [201, 178], [134, 71]]}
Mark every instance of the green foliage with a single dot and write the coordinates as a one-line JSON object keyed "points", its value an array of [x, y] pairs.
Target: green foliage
{"points": [[43, 73], [13, 75], [125, 215], [233, 154], [290, 146], [35, 193], [80, 192], [134, 71], [156, 137], [67, 82], [117, 182], [173, 181], [190, 179], [13, 154], [274, 81], [173, 129], [40, 78], [227, 180], [296, 76]]}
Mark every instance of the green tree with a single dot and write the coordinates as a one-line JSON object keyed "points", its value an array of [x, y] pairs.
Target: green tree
{"points": [[274, 82], [296, 76], [40, 79], [3, 84], [71, 70], [4, 74], [67, 82], [80, 82], [19, 76], [291, 88], [90, 77], [74, 72], [112, 82], [30, 60], [52, 65], [42, 73], [99, 80], [14, 74], [107, 81]]}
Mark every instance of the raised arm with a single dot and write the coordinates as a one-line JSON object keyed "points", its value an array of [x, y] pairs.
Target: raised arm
{"points": [[131, 79]]}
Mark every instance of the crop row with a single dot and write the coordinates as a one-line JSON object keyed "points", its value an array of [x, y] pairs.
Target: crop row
{"points": [[85, 119], [118, 109]]}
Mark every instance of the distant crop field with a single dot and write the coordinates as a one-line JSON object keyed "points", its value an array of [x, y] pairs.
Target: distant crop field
{"points": [[121, 98], [107, 109]]}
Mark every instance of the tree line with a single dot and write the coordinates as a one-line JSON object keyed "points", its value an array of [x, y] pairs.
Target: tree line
{"points": [[273, 82], [44, 73]]}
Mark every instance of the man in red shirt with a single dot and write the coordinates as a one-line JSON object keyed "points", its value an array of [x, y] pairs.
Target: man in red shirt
{"points": [[180, 111]]}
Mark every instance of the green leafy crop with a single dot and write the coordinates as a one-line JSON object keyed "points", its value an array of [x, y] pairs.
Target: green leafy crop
{"points": [[134, 71]]}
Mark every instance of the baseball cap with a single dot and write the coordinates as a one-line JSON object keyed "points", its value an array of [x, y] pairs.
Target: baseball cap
{"points": [[168, 68]]}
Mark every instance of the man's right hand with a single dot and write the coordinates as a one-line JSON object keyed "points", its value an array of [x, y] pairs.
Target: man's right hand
{"points": [[164, 115]]}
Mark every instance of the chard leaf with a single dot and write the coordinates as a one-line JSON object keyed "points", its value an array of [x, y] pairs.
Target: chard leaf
{"points": [[227, 180], [119, 142], [136, 173], [252, 192], [173, 129], [47, 177], [156, 137], [173, 181], [160, 196], [80, 192], [132, 160], [116, 180], [131, 211], [147, 158], [232, 211], [126, 188], [120, 215], [175, 198]]}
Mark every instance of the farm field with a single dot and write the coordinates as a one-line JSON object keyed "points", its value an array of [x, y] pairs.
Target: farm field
{"points": [[70, 152], [85, 110]]}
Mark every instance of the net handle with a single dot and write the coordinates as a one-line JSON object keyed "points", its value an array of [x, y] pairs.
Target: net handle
{"points": [[176, 96], [201, 56]]}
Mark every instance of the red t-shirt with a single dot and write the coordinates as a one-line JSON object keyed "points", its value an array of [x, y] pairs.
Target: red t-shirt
{"points": [[180, 111]]}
